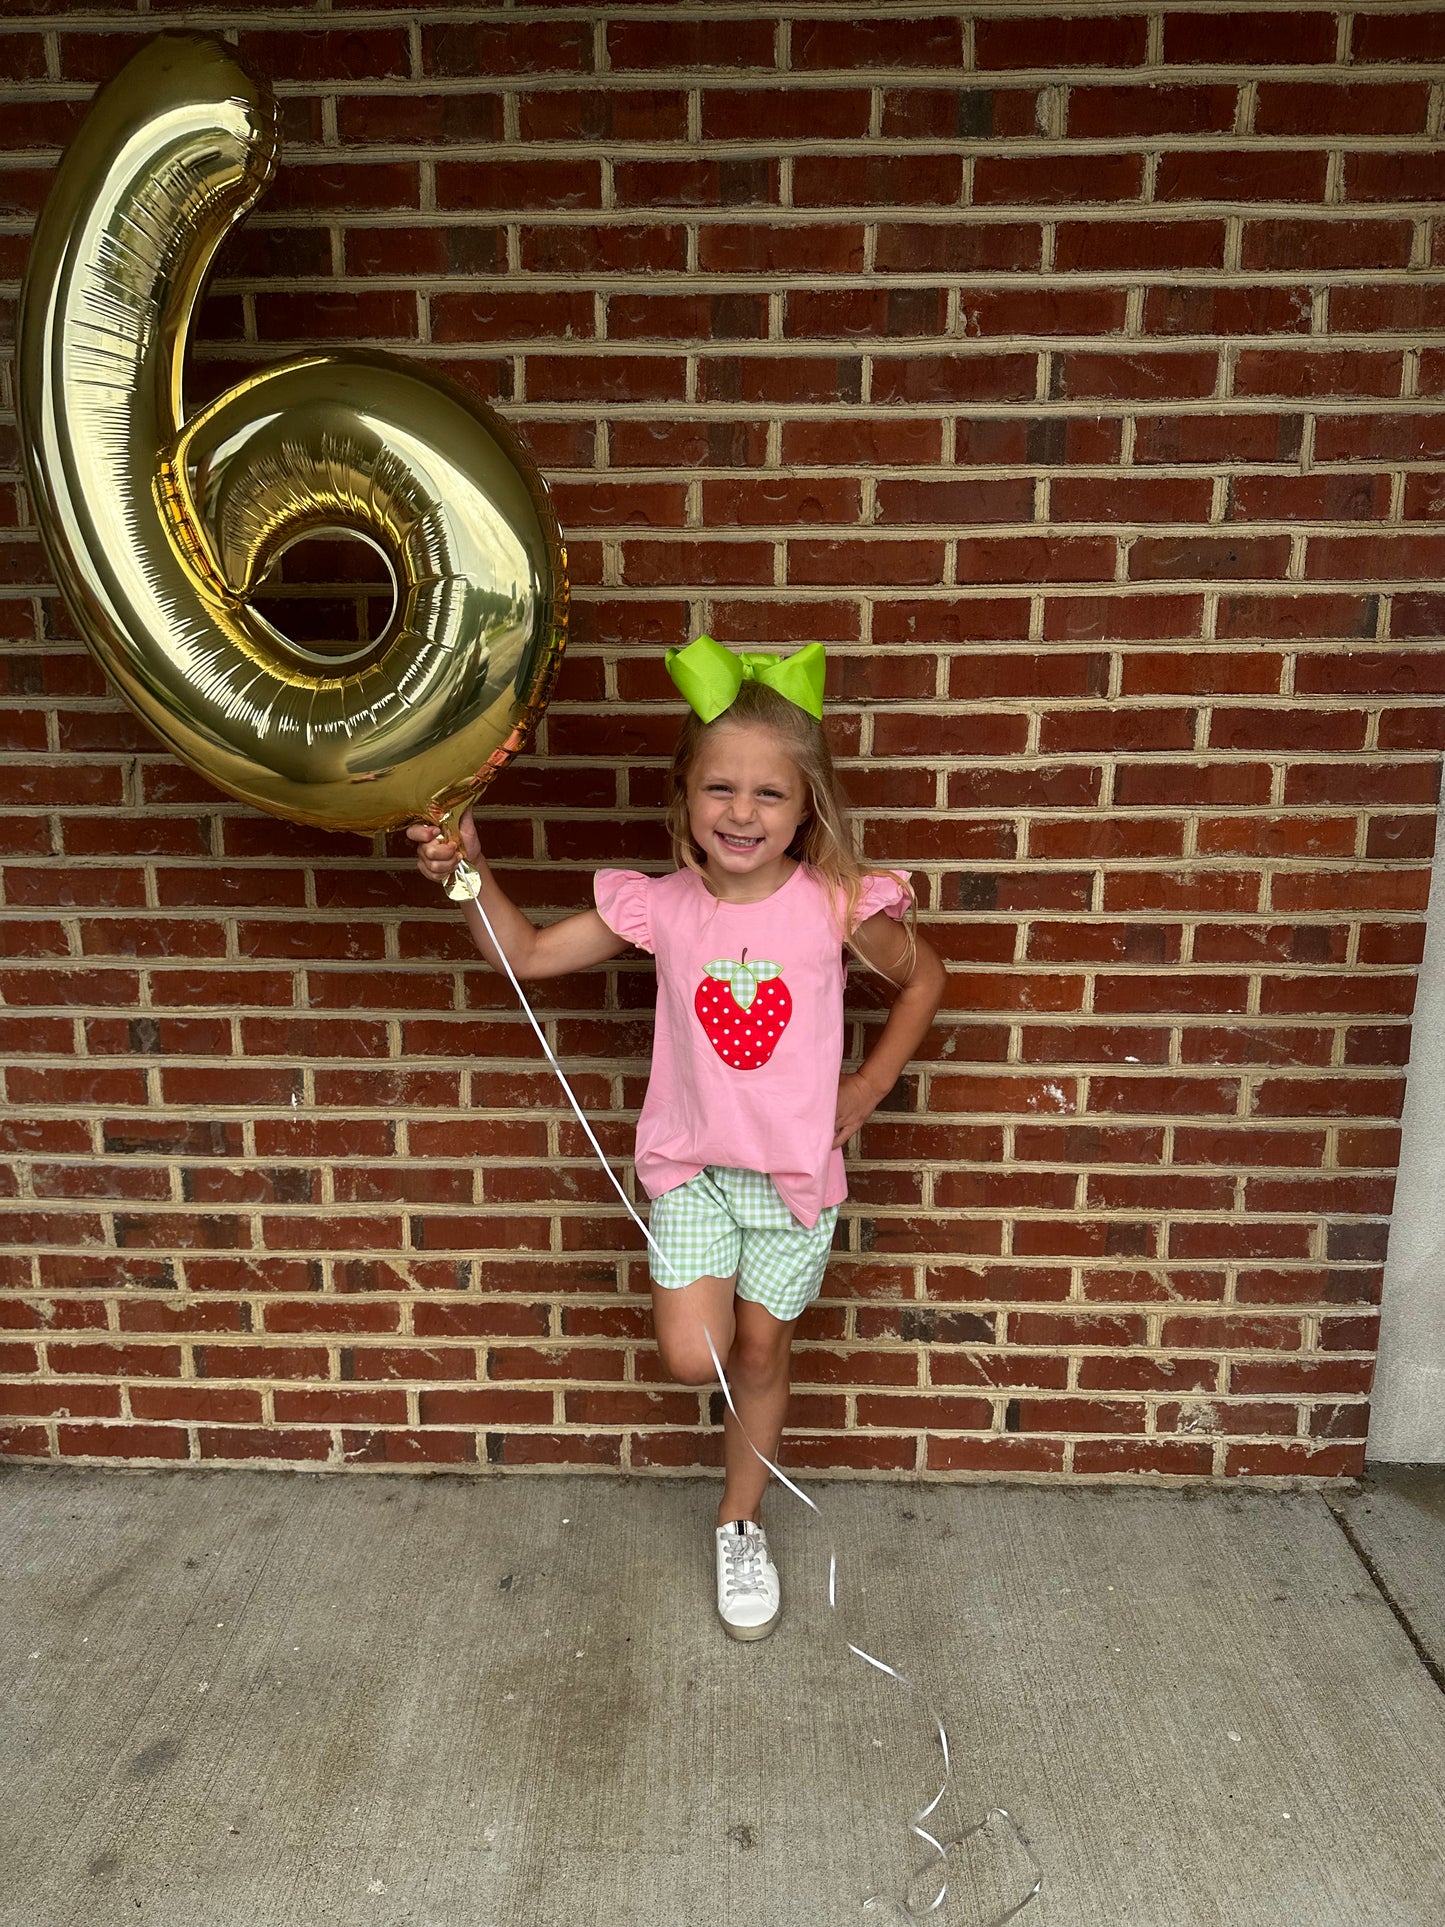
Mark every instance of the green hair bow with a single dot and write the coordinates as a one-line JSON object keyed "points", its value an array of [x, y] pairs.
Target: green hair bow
{"points": [[710, 676]]}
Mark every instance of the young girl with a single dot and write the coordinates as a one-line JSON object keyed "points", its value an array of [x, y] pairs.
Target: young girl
{"points": [[739, 1144]]}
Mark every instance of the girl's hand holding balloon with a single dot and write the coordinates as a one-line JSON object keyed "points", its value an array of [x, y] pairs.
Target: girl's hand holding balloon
{"points": [[437, 854]]}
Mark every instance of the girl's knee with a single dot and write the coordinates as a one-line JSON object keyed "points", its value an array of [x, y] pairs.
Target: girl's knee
{"points": [[686, 1360], [683, 1321], [761, 1351]]}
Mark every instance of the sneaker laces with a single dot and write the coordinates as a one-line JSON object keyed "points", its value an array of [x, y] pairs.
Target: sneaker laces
{"points": [[744, 1570]]}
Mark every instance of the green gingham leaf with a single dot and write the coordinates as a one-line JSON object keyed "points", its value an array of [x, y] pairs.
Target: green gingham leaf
{"points": [[742, 978]]}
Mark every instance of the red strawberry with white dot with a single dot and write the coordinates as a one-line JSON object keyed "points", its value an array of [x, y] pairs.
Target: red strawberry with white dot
{"points": [[744, 1008]]}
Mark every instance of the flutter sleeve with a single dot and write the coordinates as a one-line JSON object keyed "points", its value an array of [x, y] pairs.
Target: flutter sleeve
{"points": [[884, 890], [622, 903]]}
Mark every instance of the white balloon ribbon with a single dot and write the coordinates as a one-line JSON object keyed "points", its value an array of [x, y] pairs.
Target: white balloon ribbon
{"points": [[463, 888]]}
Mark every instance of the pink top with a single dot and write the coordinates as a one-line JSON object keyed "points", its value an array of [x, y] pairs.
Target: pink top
{"points": [[749, 1040]]}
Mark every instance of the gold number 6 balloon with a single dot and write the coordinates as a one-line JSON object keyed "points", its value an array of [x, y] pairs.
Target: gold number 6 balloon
{"points": [[160, 531]]}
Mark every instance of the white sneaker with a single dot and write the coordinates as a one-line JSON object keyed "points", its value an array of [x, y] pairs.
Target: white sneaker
{"points": [[749, 1598]]}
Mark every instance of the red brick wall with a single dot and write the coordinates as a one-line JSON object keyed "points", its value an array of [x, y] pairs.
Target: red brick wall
{"points": [[1070, 374]]}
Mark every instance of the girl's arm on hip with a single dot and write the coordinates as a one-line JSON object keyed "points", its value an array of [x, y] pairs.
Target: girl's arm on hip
{"points": [[884, 944]]}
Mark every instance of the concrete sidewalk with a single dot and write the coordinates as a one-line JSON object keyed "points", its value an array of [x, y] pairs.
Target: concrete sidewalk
{"points": [[236, 1699]]}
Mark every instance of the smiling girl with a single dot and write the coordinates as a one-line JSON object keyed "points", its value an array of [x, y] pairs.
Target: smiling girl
{"points": [[739, 1142]]}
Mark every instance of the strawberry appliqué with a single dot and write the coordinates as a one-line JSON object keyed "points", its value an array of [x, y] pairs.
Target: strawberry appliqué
{"points": [[744, 1008]]}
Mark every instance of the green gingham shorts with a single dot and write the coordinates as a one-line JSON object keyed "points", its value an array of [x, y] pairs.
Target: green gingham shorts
{"points": [[723, 1222]]}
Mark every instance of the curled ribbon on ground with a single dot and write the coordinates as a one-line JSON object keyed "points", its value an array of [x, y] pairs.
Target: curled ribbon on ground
{"points": [[943, 1851], [160, 530]]}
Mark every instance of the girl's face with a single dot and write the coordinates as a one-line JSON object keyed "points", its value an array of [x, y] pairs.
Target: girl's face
{"points": [[745, 799]]}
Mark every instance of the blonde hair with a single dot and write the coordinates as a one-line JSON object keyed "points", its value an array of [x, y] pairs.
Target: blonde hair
{"points": [[824, 840]]}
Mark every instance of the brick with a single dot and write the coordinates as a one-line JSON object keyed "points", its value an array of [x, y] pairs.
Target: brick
{"points": [[855, 442], [1218, 437], [964, 247], [1002, 677], [332, 184], [663, 316], [1098, 178], [1254, 39], [602, 378], [1301, 244], [1151, 730], [1005, 1454], [961, 501], [695, 183], [567, 1448], [952, 378], [963, 112], [1153, 376], [1177, 1458], [1318, 108], [1130, 1372], [934, 1413], [612, 249], [1307, 730], [22, 55], [1294, 1459], [1326, 372], [781, 620], [1115, 112], [415, 117], [1128, 618], [877, 180], [854, 312], [763, 501], [240, 1442], [1095, 246], [1403, 36], [1410, 729], [1167, 558], [1080, 1415], [599, 114], [1089, 311], [378, 53], [1147, 499], [1379, 437], [505, 185], [121, 1442], [115, 1360], [485, 48], [1411, 176], [1061, 41], [1372, 556], [1241, 175], [763, 248], [860, 561], [929, 41], [400, 1447], [498, 316], [1202, 310], [1114, 942], [1004, 1094], [23, 190], [666, 44]]}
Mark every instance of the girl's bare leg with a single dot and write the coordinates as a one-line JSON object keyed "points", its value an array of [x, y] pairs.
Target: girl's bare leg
{"points": [[757, 1369], [679, 1315], [756, 1351]]}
